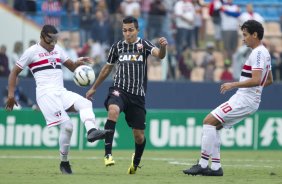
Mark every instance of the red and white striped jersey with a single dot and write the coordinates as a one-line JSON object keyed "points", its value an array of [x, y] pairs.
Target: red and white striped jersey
{"points": [[45, 67], [259, 59]]}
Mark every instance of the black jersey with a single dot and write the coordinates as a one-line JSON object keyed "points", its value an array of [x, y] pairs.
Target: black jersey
{"points": [[131, 60]]}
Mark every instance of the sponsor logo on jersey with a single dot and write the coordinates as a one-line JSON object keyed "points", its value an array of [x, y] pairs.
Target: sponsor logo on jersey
{"points": [[47, 54], [131, 57]]}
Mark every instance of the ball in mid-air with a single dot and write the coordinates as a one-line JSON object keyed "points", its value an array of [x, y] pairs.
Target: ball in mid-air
{"points": [[84, 75]]}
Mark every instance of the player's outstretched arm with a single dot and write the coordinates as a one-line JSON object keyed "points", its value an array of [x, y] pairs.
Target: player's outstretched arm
{"points": [[11, 88], [161, 52], [106, 70], [254, 81], [80, 61]]}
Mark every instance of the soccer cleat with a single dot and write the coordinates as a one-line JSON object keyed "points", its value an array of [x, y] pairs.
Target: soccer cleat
{"points": [[218, 172], [109, 161], [96, 134], [132, 168], [65, 168], [196, 170]]}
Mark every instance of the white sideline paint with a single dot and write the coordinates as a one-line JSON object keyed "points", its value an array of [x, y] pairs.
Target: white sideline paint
{"points": [[174, 161], [225, 165]]}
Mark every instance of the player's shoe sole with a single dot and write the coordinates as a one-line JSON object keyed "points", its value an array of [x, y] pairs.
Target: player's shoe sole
{"points": [[109, 161], [96, 134]]}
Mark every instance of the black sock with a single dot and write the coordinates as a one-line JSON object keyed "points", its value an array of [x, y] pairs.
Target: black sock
{"points": [[110, 125], [139, 149]]}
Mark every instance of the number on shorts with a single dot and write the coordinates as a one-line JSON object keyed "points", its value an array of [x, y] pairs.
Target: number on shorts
{"points": [[226, 108]]}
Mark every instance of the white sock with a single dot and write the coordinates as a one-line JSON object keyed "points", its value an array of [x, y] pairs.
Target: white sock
{"points": [[66, 129], [88, 118], [208, 138], [215, 165]]}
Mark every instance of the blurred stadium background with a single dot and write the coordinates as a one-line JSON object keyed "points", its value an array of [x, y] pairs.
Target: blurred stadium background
{"points": [[181, 90]]}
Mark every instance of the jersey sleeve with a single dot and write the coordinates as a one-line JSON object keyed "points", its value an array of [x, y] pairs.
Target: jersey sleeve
{"points": [[258, 60], [113, 55], [148, 46], [25, 59]]}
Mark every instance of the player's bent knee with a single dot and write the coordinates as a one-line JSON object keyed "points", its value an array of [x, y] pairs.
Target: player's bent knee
{"points": [[113, 113], [138, 136], [82, 104], [67, 126], [210, 120]]}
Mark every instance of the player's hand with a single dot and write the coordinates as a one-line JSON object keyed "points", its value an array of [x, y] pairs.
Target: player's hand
{"points": [[226, 87], [10, 103], [83, 60], [90, 93], [163, 42]]}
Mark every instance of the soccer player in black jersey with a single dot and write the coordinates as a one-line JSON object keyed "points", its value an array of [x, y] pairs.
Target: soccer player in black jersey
{"points": [[127, 93]]}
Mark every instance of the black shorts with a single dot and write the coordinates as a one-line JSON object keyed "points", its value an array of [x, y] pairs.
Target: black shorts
{"points": [[133, 107]]}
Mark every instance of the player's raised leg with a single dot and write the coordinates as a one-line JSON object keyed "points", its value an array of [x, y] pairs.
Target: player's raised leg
{"points": [[84, 107]]}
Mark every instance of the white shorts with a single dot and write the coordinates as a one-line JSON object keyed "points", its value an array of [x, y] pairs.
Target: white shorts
{"points": [[234, 110], [54, 104]]}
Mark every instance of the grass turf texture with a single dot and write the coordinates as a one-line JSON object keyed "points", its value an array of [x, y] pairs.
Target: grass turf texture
{"points": [[160, 167]]}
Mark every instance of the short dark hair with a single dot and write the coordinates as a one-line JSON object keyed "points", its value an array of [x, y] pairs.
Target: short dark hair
{"points": [[253, 26], [49, 29], [129, 20]]}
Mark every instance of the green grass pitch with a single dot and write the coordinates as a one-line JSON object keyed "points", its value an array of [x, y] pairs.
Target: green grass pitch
{"points": [[159, 167]]}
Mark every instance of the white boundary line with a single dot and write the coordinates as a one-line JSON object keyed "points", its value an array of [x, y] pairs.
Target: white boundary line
{"points": [[173, 161], [225, 165], [128, 158]]}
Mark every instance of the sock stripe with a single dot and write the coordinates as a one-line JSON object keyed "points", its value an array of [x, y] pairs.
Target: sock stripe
{"points": [[216, 160], [205, 156]]}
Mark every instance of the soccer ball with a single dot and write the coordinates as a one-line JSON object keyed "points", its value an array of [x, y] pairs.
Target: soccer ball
{"points": [[84, 75]]}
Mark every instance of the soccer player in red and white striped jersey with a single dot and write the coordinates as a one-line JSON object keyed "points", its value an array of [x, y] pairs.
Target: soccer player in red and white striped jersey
{"points": [[256, 74], [45, 60]]}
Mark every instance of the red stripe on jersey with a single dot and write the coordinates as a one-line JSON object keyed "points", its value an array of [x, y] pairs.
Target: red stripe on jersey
{"points": [[220, 118], [247, 67], [42, 62], [54, 123], [265, 76]]}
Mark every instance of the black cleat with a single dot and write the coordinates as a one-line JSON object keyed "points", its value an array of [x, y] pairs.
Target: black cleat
{"points": [[196, 170], [218, 172], [65, 168], [96, 134]]}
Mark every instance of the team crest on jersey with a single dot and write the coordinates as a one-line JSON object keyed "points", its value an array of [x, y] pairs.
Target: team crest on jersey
{"points": [[131, 57], [58, 114], [139, 46], [116, 93], [52, 61]]}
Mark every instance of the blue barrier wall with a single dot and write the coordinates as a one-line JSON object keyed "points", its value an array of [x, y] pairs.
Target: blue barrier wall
{"points": [[168, 95]]}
